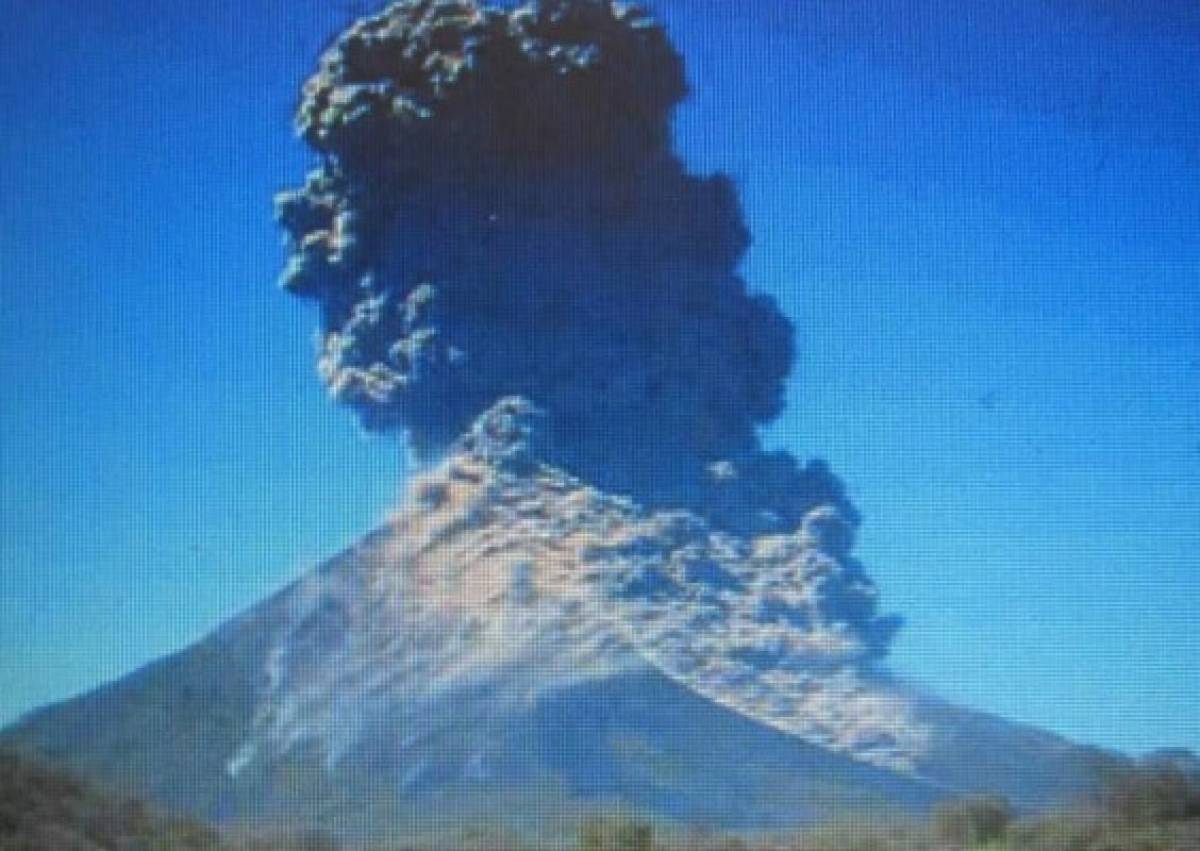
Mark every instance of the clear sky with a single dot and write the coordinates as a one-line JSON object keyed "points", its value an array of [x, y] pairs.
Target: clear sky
{"points": [[982, 217]]}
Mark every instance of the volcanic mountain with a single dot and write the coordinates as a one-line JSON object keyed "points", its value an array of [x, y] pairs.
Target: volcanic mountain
{"points": [[518, 647], [601, 590]]}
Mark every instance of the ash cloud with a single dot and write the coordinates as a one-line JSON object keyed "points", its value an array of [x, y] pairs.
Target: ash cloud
{"points": [[498, 212]]}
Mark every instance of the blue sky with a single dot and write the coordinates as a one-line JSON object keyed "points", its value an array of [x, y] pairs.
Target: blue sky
{"points": [[982, 221]]}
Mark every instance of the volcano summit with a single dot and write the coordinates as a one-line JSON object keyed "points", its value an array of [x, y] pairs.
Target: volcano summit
{"points": [[600, 590]]}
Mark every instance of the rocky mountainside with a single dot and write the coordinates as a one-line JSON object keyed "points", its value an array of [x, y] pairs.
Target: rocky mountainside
{"points": [[517, 646]]}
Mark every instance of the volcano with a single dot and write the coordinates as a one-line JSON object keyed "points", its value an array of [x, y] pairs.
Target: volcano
{"points": [[601, 591], [519, 648]]}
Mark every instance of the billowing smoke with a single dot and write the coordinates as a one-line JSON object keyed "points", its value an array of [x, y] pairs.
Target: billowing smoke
{"points": [[498, 212]]}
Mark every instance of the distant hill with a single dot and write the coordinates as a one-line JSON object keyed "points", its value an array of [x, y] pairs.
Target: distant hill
{"points": [[516, 647]]}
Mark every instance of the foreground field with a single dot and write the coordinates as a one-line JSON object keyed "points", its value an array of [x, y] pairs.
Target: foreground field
{"points": [[1153, 809]]}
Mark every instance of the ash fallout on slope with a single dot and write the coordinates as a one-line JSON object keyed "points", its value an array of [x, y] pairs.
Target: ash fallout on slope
{"points": [[498, 212]]}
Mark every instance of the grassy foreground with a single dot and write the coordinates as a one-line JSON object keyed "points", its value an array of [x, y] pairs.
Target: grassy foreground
{"points": [[1149, 809]]}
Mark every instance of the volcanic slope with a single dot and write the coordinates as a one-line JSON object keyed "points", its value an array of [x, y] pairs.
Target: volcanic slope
{"points": [[515, 646]]}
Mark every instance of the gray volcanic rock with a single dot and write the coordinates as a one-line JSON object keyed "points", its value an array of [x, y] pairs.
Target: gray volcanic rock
{"points": [[518, 647]]}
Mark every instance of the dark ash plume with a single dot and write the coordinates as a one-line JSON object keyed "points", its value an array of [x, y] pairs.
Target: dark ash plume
{"points": [[499, 212]]}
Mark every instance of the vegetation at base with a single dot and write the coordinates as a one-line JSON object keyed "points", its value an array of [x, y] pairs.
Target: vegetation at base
{"points": [[618, 834], [1153, 808], [44, 808], [972, 822]]}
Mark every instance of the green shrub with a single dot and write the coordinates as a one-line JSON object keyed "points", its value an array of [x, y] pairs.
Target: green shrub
{"points": [[1152, 795], [972, 821], [616, 834], [868, 833], [1062, 832]]}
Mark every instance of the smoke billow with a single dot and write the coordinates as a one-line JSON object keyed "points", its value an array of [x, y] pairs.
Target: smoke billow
{"points": [[498, 212]]}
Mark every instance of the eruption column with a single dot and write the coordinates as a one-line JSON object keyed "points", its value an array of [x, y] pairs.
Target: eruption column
{"points": [[498, 212]]}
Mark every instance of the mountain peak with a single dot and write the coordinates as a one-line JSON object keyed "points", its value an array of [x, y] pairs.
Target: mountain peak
{"points": [[514, 574], [509, 434]]}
